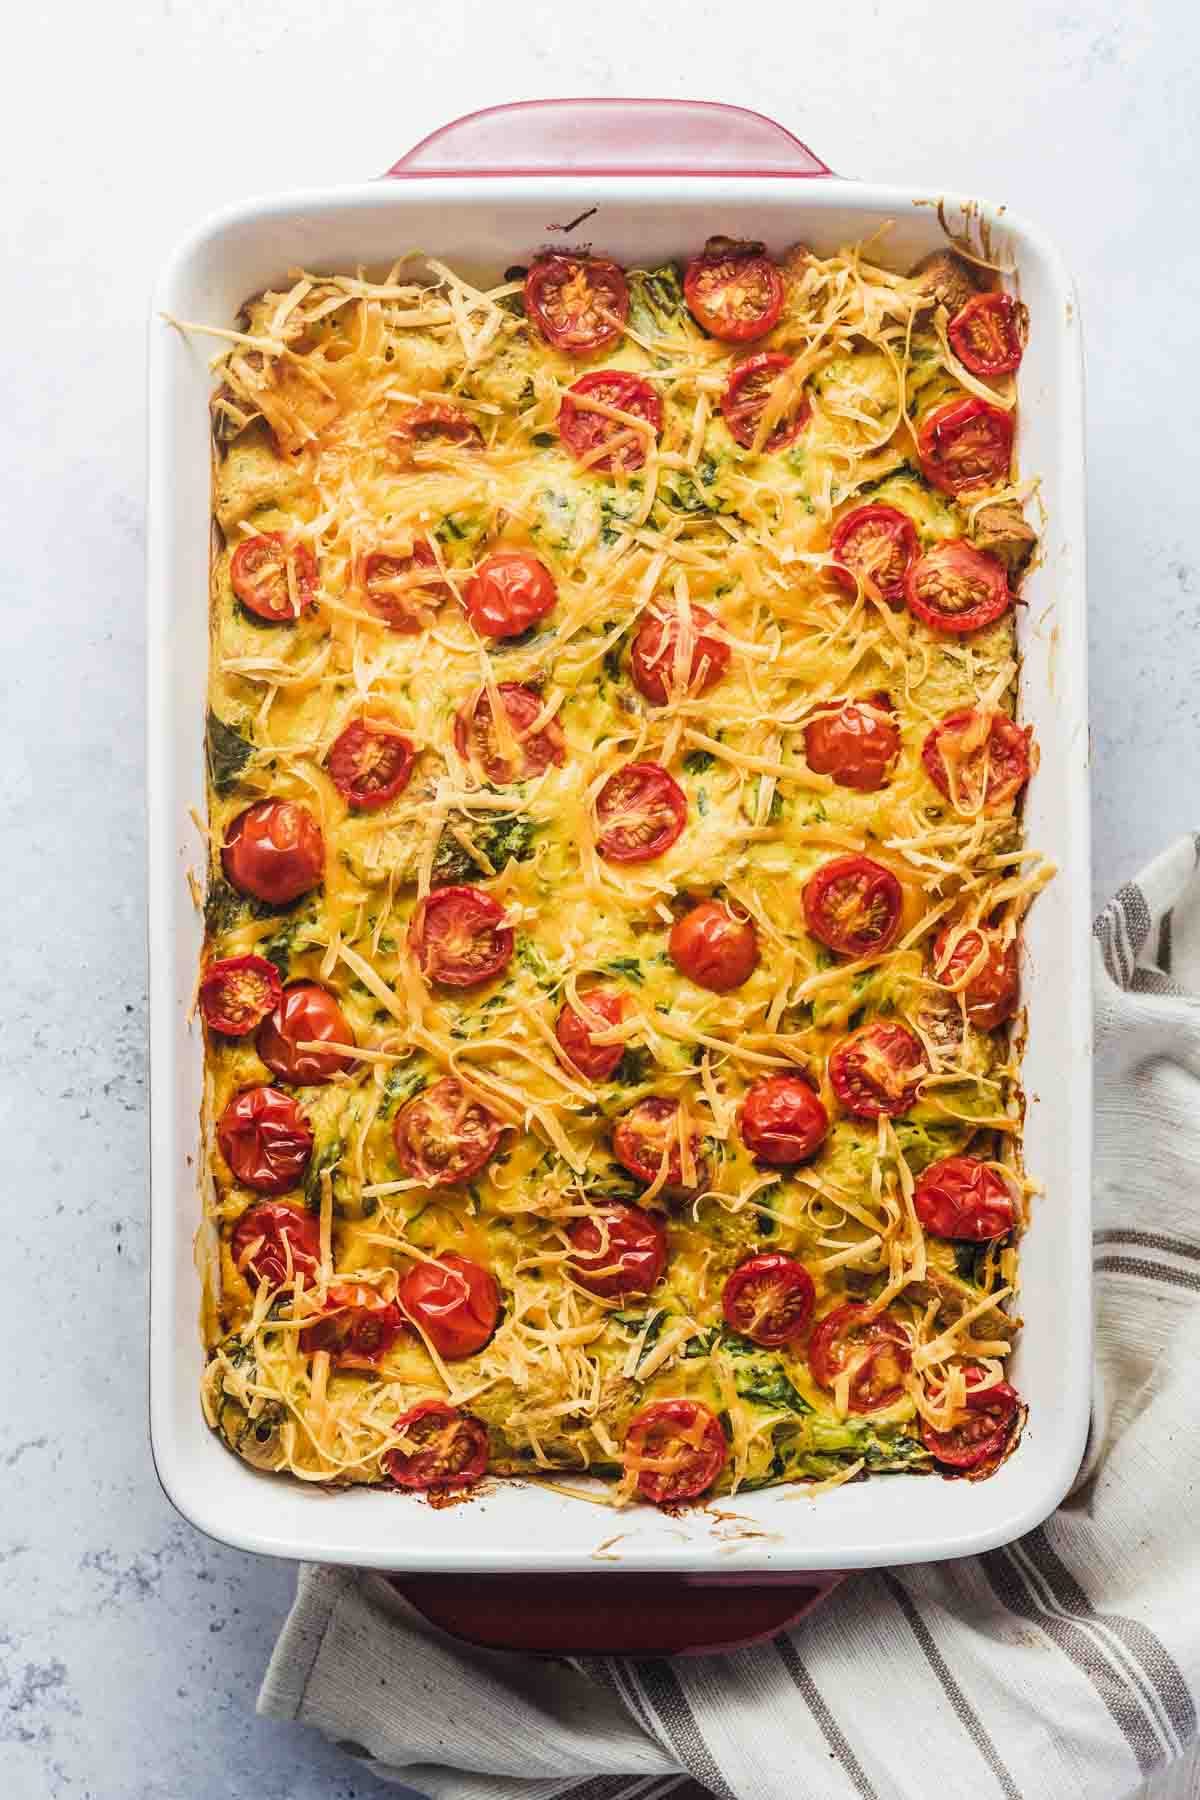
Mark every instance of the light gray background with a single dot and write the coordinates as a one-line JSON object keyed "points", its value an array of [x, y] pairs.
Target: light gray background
{"points": [[130, 1648]]}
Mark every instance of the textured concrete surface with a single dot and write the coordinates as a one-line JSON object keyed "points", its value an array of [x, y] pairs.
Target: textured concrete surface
{"points": [[130, 1648]]}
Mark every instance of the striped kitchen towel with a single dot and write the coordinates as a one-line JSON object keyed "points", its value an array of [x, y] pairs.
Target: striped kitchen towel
{"points": [[1067, 1665]]}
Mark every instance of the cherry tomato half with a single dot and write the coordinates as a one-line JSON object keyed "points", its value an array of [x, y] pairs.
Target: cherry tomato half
{"points": [[370, 763], [271, 1243], [983, 1427], [431, 424], [460, 938], [574, 1032], [782, 1121], [714, 947], [850, 1333], [853, 906], [592, 436], [454, 1301], [986, 335], [677, 1448], [443, 1136], [509, 591], [478, 739], [769, 1299], [306, 1014], [399, 590], [275, 577], [961, 1197], [965, 444], [745, 400], [274, 851], [734, 290], [578, 303], [237, 993], [649, 1132], [955, 587], [265, 1139], [449, 1448], [617, 1250], [358, 1326], [640, 811], [668, 659], [977, 760], [993, 990], [878, 1069], [856, 745], [877, 544]]}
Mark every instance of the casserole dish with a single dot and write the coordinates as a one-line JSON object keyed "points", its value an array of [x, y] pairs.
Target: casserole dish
{"points": [[637, 216]]}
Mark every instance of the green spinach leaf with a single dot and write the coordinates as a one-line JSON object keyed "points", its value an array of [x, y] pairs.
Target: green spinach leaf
{"points": [[228, 753], [629, 966]]}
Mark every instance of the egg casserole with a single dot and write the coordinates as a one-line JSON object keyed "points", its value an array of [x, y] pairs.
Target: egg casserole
{"points": [[610, 986]]}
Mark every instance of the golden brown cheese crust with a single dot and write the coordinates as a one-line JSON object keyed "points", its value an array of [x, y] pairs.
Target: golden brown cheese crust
{"points": [[305, 429]]}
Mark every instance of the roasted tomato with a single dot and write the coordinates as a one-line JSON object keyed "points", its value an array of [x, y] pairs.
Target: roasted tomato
{"points": [[978, 760], [265, 1139], [782, 1121], [454, 1302], [460, 938], [769, 1298], [648, 1133], [272, 1243], [876, 544], [237, 993], [443, 1448], [573, 1029], [853, 906], [961, 1197], [399, 590], [617, 1250], [370, 763], [274, 576], [578, 303], [986, 335], [668, 659], [521, 752], [677, 1448], [357, 1327], [856, 745], [602, 442], [432, 424], [984, 1424], [274, 851], [965, 444], [745, 400], [877, 1069], [640, 811], [443, 1136], [307, 1014], [734, 290], [993, 986], [714, 946], [877, 1344], [955, 587], [509, 591]]}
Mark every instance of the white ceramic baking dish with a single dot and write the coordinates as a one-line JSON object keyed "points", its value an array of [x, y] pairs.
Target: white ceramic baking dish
{"points": [[653, 179]]}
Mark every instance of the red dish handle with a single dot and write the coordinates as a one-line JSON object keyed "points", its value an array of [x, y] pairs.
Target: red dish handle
{"points": [[611, 137], [614, 1614]]}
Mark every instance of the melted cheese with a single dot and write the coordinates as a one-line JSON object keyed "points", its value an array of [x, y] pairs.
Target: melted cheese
{"points": [[314, 394]]}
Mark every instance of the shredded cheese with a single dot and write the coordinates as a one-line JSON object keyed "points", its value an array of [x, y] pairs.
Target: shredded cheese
{"points": [[399, 431]]}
